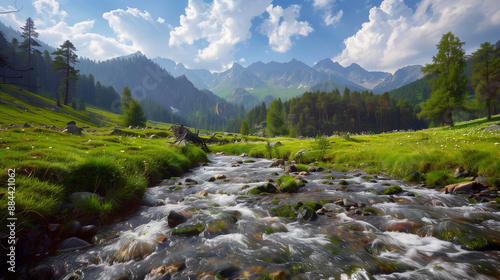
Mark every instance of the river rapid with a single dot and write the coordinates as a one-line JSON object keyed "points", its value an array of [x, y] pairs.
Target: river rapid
{"points": [[226, 233]]}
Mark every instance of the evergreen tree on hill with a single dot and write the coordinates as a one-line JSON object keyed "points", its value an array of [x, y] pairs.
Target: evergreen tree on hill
{"points": [[486, 75], [449, 84], [64, 62], [29, 34], [135, 115]]}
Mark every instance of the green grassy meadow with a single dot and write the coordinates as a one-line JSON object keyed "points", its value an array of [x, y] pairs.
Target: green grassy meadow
{"points": [[433, 153]]}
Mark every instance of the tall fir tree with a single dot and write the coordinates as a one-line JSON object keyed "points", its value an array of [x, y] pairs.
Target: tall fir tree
{"points": [[449, 84], [244, 127], [126, 98], [64, 62], [29, 34], [135, 115], [275, 119], [486, 75]]}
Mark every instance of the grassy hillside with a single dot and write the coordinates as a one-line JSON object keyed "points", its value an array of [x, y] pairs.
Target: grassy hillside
{"points": [[50, 165]]}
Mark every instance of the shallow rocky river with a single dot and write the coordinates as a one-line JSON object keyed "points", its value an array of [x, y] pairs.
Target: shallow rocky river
{"points": [[199, 227]]}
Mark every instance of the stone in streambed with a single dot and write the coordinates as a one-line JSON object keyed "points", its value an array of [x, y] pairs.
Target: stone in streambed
{"points": [[392, 190], [164, 270], [175, 219], [461, 187], [189, 230], [73, 243], [136, 249], [406, 226], [277, 163]]}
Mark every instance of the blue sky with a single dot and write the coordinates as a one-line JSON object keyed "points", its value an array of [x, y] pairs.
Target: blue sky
{"points": [[376, 34]]}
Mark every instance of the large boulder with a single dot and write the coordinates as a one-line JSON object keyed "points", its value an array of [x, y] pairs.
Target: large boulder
{"points": [[71, 128], [493, 127]]}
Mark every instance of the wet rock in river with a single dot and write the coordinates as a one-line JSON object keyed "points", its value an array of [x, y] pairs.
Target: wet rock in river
{"points": [[277, 163], [188, 230], [175, 219], [279, 275], [160, 272], [392, 190], [136, 249], [306, 213], [189, 181], [403, 226], [220, 176], [461, 187], [86, 232], [73, 243], [268, 188]]}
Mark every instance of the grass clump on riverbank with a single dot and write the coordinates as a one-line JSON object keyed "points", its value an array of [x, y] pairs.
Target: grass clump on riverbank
{"points": [[428, 156], [51, 165]]}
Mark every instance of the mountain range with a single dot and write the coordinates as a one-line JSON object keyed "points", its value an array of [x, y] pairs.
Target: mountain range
{"points": [[266, 81]]}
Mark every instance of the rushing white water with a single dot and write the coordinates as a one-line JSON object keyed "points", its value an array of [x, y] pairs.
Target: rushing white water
{"points": [[362, 234]]}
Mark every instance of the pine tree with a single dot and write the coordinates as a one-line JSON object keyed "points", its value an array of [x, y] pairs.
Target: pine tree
{"points": [[126, 98], [81, 105], [64, 62], [244, 127], [29, 34], [449, 84], [135, 115], [486, 75], [275, 120]]}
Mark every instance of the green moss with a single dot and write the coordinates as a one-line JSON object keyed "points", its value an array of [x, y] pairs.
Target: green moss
{"points": [[287, 184], [284, 211], [343, 183], [254, 191], [189, 230], [392, 190]]}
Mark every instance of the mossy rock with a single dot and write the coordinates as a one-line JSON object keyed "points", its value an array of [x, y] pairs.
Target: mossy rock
{"points": [[307, 213], [284, 211], [268, 188], [467, 235], [343, 183], [189, 230], [254, 191], [288, 184], [392, 190], [275, 227]]}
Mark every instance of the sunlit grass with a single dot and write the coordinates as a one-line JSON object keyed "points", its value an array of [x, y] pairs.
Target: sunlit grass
{"points": [[435, 153]]}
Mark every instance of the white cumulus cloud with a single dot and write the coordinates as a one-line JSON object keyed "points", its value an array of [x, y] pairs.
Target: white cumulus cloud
{"points": [[48, 12], [282, 25], [326, 6], [396, 36], [218, 26]]}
